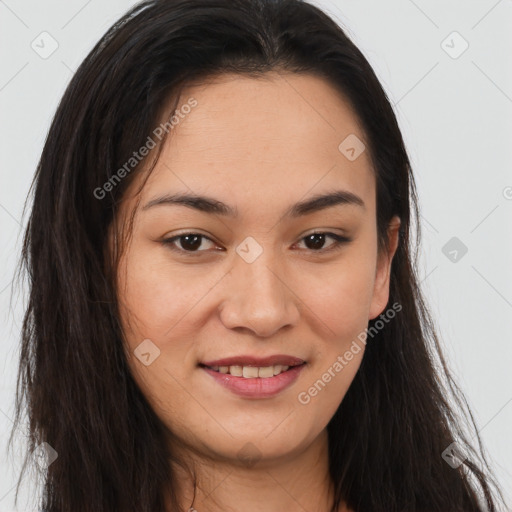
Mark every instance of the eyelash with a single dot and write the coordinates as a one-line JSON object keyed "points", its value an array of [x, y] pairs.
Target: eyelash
{"points": [[339, 242]]}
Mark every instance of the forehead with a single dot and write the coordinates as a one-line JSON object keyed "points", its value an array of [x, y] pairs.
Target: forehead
{"points": [[255, 138]]}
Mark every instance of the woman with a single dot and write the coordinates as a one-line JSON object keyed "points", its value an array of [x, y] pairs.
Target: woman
{"points": [[224, 311]]}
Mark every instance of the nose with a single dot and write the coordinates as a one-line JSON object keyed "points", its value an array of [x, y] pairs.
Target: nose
{"points": [[259, 297]]}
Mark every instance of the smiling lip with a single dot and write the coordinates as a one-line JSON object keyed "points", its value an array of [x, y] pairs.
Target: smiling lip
{"points": [[256, 387]]}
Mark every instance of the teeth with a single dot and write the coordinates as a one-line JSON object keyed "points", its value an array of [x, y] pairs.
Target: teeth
{"points": [[267, 371], [251, 372], [236, 371]]}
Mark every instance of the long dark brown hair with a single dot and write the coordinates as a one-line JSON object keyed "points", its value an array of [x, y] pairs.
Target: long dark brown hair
{"points": [[403, 409]]}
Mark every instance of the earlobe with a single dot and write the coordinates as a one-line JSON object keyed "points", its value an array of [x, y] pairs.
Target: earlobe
{"points": [[383, 271]]}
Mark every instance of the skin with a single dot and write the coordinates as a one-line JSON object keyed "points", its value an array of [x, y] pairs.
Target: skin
{"points": [[259, 145]]}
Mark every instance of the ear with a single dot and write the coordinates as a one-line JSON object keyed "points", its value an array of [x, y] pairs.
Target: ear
{"points": [[383, 270]]}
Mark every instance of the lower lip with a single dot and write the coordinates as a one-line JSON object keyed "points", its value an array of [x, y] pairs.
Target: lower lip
{"points": [[257, 387]]}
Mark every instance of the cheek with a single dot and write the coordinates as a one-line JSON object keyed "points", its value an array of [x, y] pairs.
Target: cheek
{"points": [[340, 296], [156, 297], [338, 302], [329, 383]]}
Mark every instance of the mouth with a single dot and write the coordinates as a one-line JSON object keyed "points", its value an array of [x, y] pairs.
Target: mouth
{"points": [[250, 367], [251, 377], [251, 372]]}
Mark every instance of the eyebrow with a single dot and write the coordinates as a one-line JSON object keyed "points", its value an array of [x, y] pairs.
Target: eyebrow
{"points": [[214, 206]]}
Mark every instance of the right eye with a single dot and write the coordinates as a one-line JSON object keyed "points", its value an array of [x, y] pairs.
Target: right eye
{"points": [[190, 243]]}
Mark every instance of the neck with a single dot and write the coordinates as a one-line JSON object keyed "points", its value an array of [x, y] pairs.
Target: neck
{"points": [[296, 483]]}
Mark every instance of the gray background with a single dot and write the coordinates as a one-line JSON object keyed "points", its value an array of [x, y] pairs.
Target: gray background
{"points": [[455, 111]]}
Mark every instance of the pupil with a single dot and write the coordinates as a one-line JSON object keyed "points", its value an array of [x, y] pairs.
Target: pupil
{"points": [[191, 245], [318, 240]]}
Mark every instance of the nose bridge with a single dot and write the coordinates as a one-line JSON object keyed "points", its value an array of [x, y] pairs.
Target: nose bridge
{"points": [[262, 278], [258, 297]]}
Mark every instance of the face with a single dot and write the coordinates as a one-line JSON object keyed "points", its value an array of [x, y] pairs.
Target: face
{"points": [[219, 295]]}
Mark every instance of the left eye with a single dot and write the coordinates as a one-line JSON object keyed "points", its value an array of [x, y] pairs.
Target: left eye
{"points": [[315, 240], [191, 242]]}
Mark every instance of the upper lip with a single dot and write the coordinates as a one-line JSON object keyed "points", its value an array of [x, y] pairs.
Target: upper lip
{"points": [[262, 362]]}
